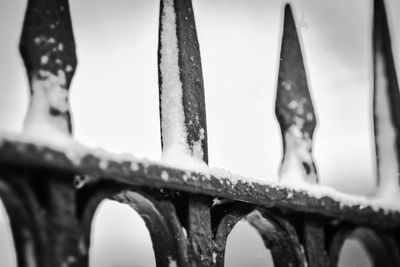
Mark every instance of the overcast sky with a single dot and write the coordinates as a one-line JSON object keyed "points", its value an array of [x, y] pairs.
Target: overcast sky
{"points": [[114, 95]]}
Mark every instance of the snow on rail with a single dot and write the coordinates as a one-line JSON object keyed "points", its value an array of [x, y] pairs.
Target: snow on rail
{"points": [[220, 182]]}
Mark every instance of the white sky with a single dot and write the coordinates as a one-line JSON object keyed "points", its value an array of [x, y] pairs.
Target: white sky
{"points": [[114, 95]]}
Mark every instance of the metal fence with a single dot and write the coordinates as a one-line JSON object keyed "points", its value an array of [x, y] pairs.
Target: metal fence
{"points": [[51, 192]]}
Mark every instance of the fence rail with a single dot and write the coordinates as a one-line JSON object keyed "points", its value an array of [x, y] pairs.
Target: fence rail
{"points": [[52, 189]]}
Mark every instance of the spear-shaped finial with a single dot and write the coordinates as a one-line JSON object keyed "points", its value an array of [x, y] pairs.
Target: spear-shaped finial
{"points": [[47, 47], [182, 105], [294, 109], [386, 106]]}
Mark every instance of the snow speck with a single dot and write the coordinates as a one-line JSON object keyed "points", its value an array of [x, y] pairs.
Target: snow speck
{"points": [[103, 164], [164, 175], [68, 68], [134, 166], [293, 104], [388, 168], [216, 201], [214, 255], [43, 40], [287, 85], [80, 180], [197, 148], [70, 260], [60, 47], [298, 106], [172, 263], [44, 59], [185, 235]]}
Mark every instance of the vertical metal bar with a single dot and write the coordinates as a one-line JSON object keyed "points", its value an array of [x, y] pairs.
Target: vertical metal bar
{"points": [[199, 231], [183, 116], [294, 109], [48, 49], [314, 239], [386, 106], [66, 240]]}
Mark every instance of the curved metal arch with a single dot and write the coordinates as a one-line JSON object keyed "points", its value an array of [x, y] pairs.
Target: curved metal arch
{"points": [[168, 237], [89, 198], [280, 237], [382, 247], [278, 234], [223, 219]]}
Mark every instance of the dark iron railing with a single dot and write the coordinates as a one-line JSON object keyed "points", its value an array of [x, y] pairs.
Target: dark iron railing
{"points": [[51, 191]]}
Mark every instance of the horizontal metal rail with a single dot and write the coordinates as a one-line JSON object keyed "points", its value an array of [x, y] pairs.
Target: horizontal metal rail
{"points": [[213, 182]]}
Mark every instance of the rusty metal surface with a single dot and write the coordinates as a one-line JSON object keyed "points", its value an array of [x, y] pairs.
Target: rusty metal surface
{"points": [[29, 155]]}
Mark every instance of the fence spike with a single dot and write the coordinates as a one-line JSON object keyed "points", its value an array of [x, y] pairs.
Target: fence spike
{"points": [[294, 109], [182, 105], [47, 48], [386, 106], [183, 115]]}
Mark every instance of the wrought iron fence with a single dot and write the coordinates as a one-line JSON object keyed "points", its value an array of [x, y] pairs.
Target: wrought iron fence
{"points": [[51, 190]]}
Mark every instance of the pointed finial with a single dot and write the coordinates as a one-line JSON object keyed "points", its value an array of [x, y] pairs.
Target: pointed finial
{"points": [[182, 104], [386, 107], [294, 109], [47, 47]]}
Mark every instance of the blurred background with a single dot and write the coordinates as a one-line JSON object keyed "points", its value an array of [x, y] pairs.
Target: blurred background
{"points": [[114, 101]]}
